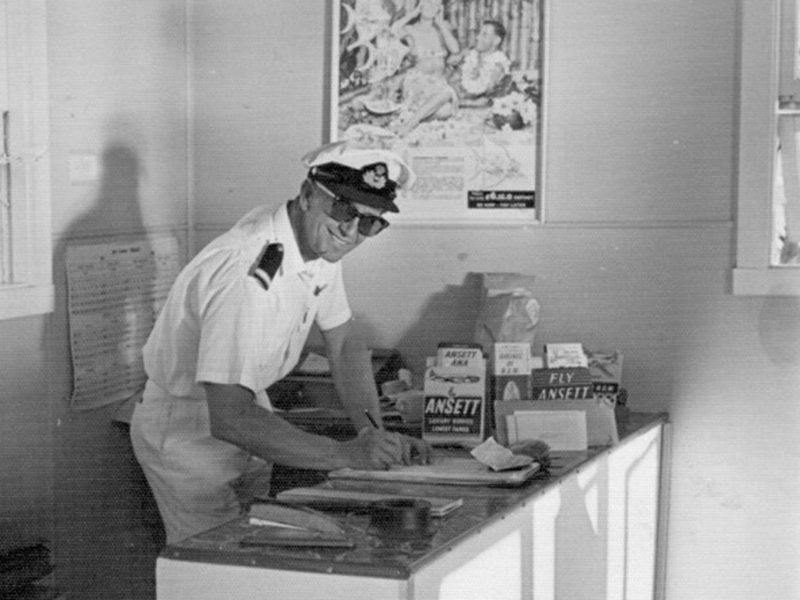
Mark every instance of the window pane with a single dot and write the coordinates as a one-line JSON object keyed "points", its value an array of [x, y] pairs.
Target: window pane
{"points": [[786, 195], [6, 274], [5, 229], [785, 244]]}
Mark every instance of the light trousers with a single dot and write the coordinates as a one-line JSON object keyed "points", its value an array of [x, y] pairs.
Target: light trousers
{"points": [[198, 481]]}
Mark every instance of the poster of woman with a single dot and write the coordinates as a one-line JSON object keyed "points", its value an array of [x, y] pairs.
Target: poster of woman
{"points": [[456, 87]]}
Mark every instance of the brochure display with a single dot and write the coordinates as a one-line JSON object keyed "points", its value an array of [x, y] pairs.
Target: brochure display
{"points": [[454, 410]]}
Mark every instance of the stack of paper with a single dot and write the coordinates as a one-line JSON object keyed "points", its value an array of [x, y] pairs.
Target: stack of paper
{"points": [[559, 429]]}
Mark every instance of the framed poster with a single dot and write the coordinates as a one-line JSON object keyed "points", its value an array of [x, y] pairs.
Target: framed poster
{"points": [[457, 88]]}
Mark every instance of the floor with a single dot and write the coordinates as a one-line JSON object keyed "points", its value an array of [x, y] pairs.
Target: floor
{"points": [[109, 532]]}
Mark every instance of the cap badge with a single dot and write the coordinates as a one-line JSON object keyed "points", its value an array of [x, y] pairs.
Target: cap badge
{"points": [[375, 175]]}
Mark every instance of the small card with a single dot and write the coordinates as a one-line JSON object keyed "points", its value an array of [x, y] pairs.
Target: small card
{"points": [[560, 429], [512, 359], [565, 355]]}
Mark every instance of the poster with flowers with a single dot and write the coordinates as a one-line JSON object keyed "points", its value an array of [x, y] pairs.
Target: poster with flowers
{"points": [[454, 86]]}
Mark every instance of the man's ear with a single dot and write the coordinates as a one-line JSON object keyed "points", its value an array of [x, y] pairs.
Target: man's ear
{"points": [[306, 192]]}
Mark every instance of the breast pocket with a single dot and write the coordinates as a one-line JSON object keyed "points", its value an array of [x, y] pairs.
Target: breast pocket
{"points": [[286, 342], [299, 337], [279, 330]]}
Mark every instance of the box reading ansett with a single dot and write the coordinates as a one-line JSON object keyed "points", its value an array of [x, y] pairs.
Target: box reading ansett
{"points": [[562, 384], [455, 396], [460, 356]]}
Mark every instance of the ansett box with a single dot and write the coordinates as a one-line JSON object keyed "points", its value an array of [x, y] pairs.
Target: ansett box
{"points": [[455, 402], [562, 384]]}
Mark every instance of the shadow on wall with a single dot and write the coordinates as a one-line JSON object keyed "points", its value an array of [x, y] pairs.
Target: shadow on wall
{"points": [[108, 532], [448, 316], [114, 215]]}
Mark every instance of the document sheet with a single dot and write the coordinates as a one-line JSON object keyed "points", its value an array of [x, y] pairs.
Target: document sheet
{"points": [[115, 292]]}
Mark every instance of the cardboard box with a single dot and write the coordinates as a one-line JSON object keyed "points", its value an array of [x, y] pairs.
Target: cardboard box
{"points": [[511, 371], [561, 384], [606, 371]]}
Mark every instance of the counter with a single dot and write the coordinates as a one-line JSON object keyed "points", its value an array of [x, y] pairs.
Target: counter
{"points": [[591, 528]]}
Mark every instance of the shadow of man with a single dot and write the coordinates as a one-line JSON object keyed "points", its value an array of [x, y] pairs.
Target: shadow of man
{"points": [[108, 531]]}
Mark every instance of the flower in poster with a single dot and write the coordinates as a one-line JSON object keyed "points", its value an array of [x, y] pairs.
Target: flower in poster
{"points": [[518, 106]]}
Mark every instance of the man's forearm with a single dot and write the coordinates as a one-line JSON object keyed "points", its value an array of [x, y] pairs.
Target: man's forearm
{"points": [[351, 368], [266, 435], [355, 385], [235, 418]]}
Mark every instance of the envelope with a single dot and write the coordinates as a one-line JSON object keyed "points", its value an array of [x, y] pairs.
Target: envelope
{"points": [[560, 429], [601, 424]]}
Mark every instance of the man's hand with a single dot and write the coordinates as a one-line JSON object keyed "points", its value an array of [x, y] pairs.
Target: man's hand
{"points": [[376, 449], [351, 368], [416, 451]]}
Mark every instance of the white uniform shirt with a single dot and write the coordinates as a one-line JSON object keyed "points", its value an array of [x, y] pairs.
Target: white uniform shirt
{"points": [[219, 325]]}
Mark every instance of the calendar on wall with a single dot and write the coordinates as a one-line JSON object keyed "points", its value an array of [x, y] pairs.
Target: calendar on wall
{"points": [[115, 292]]}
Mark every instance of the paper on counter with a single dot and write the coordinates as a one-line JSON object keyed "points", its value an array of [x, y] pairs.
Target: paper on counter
{"points": [[276, 515], [268, 523], [499, 458], [562, 430]]}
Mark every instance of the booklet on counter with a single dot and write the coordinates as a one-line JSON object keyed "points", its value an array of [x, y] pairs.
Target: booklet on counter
{"points": [[321, 498]]}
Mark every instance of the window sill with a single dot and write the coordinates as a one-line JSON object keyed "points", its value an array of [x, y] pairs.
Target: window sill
{"points": [[778, 281], [25, 301]]}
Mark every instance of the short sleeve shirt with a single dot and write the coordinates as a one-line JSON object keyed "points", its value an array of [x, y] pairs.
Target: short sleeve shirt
{"points": [[219, 325]]}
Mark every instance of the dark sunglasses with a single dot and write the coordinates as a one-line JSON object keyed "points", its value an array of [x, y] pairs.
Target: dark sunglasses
{"points": [[343, 211]]}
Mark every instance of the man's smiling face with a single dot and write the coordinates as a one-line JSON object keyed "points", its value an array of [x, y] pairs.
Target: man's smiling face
{"points": [[321, 236]]}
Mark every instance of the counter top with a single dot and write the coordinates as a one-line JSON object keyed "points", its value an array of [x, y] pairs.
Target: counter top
{"points": [[377, 555]]}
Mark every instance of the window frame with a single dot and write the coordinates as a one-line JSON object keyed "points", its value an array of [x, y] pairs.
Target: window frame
{"points": [[753, 275], [31, 290]]}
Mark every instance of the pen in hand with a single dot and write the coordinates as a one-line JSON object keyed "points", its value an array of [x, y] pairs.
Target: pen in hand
{"points": [[415, 453], [371, 419]]}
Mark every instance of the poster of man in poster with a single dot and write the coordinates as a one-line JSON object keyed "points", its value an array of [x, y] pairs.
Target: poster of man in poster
{"points": [[454, 86]]}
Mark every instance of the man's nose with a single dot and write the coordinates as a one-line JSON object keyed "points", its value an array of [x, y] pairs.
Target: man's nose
{"points": [[349, 229]]}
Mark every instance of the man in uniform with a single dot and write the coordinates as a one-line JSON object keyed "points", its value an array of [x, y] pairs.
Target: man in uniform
{"points": [[235, 322]]}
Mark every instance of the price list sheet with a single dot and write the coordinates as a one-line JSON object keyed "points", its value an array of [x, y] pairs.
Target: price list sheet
{"points": [[115, 292]]}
